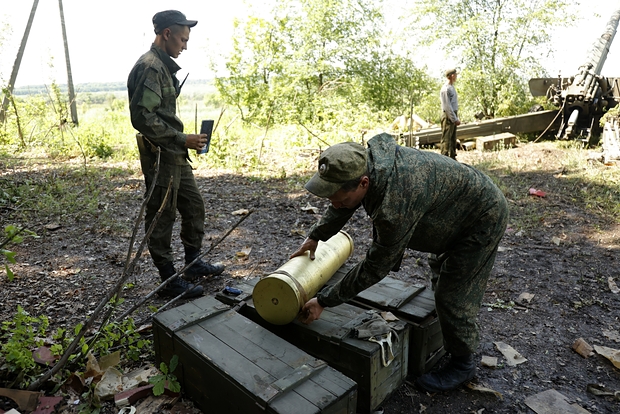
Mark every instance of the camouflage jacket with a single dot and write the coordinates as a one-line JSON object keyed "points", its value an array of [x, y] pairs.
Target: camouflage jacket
{"points": [[153, 89], [416, 199]]}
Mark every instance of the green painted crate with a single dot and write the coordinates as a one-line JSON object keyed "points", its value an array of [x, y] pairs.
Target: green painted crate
{"points": [[229, 364], [414, 304], [329, 339]]}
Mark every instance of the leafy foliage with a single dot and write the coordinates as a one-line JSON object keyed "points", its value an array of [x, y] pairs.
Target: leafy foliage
{"points": [[393, 83], [20, 336], [497, 41], [41, 123], [120, 335], [166, 379], [315, 62], [24, 333], [89, 403]]}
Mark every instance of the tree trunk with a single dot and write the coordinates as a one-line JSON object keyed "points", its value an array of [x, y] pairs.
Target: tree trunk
{"points": [[18, 61], [72, 103]]}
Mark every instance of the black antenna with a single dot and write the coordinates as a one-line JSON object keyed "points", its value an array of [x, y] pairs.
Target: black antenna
{"points": [[183, 83]]}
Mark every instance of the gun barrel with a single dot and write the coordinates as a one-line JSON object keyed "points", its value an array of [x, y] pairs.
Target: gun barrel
{"points": [[598, 54]]}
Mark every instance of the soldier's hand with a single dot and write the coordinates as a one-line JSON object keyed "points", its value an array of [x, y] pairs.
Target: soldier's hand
{"points": [[196, 141], [310, 312], [307, 245], [457, 123]]}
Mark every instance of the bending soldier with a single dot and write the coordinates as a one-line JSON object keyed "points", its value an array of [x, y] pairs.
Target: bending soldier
{"points": [[418, 200]]}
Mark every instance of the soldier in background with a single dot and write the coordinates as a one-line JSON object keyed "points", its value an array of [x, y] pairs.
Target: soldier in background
{"points": [[449, 115], [418, 200], [153, 89]]}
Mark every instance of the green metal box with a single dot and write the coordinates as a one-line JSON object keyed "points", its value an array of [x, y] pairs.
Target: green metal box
{"points": [[229, 364]]}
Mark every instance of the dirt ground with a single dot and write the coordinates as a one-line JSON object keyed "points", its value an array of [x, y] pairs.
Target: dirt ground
{"points": [[564, 262]]}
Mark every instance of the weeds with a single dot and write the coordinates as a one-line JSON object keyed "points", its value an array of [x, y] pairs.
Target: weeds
{"points": [[576, 181], [21, 336], [166, 379], [24, 333]]}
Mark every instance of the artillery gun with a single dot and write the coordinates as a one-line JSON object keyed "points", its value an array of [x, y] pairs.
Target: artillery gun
{"points": [[582, 100]]}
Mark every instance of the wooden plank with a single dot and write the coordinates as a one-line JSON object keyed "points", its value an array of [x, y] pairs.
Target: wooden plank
{"points": [[152, 404], [191, 312], [255, 354], [391, 293], [425, 338], [226, 355], [242, 336], [387, 379], [419, 308], [293, 403], [496, 141], [333, 381], [230, 363], [211, 389], [327, 328], [315, 393], [267, 351]]}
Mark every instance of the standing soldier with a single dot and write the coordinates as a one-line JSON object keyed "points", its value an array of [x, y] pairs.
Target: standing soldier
{"points": [[153, 90], [449, 115], [418, 200]]}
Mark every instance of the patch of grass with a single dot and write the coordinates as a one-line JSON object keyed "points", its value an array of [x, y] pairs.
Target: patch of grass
{"points": [[576, 181], [64, 193]]}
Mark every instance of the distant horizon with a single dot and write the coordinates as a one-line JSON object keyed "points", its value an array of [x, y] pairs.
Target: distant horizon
{"points": [[211, 41], [113, 86]]}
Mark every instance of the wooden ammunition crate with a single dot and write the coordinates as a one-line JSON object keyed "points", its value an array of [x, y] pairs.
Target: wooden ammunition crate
{"points": [[412, 303], [229, 364], [329, 339], [496, 142]]}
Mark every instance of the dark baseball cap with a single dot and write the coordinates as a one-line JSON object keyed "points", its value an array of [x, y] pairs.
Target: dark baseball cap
{"points": [[338, 164], [168, 18]]}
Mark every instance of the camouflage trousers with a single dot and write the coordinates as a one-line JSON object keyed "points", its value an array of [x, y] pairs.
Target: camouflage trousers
{"points": [[184, 197], [448, 137], [460, 278]]}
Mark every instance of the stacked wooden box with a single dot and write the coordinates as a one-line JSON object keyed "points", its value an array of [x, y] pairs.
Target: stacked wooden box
{"points": [[413, 304], [235, 361], [229, 364], [329, 339]]}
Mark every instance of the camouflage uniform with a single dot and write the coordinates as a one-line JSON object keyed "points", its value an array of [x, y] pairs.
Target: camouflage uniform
{"points": [[430, 203], [153, 89]]}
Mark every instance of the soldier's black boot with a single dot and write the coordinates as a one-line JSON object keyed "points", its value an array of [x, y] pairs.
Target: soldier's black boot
{"points": [[458, 370], [178, 285], [200, 268]]}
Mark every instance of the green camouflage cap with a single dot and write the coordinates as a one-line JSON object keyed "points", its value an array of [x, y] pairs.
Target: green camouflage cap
{"points": [[338, 164]]}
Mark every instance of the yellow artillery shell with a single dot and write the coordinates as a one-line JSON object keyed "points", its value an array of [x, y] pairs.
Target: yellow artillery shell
{"points": [[279, 297]]}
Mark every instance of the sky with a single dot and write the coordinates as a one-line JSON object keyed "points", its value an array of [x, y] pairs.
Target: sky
{"points": [[106, 37]]}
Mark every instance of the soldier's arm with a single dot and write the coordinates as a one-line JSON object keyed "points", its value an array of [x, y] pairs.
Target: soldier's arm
{"points": [[379, 260], [332, 221], [144, 104]]}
